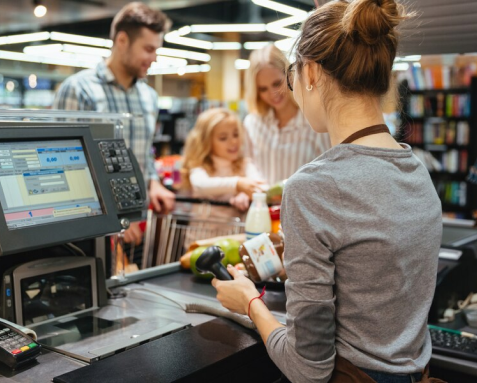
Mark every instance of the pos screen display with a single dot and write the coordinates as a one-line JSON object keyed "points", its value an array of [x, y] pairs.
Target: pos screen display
{"points": [[44, 182]]}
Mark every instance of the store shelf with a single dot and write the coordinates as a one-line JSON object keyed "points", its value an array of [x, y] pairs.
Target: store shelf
{"points": [[458, 147]]}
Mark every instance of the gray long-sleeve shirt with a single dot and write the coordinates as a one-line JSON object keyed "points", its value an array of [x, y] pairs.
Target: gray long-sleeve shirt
{"points": [[362, 235]]}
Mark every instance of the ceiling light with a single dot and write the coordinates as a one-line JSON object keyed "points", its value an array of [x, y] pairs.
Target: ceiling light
{"points": [[285, 44], [227, 46], [211, 28], [183, 70], [10, 86], [252, 45], [412, 58], [174, 37], [32, 81], [280, 7], [184, 31], [408, 58], [24, 38], [184, 54], [40, 10], [283, 31], [166, 62], [78, 39], [278, 26], [68, 48], [400, 66], [102, 52], [288, 21], [66, 59], [242, 64], [42, 49]]}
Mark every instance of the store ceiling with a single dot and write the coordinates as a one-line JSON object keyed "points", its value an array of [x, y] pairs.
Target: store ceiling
{"points": [[442, 26]]}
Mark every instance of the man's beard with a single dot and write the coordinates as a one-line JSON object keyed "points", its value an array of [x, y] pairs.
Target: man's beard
{"points": [[132, 70]]}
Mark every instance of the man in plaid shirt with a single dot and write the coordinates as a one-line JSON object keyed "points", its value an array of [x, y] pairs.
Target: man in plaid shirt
{"points": [[117, 85]]}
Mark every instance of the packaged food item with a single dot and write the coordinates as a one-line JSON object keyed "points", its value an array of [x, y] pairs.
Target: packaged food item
{"points": [[258, 219], [275, 216], [262, 256]]}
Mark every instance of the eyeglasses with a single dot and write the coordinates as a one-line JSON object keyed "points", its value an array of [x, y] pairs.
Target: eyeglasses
{"points": [[290, 76]]}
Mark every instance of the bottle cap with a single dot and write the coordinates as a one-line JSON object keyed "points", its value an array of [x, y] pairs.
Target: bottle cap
{"points": [[259, 196], [274, 212]]}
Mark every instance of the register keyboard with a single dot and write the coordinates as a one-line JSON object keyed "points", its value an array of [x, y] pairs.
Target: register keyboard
{"points": [[454, 345]]}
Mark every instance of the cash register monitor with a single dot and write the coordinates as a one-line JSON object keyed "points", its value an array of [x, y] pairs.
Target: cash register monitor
{"points": [[51, 188]]}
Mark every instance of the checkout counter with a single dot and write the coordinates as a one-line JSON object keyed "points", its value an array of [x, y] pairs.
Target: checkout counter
{"points": [[61, 185]]}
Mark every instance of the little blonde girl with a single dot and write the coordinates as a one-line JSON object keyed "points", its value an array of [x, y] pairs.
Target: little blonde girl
{"points": [[214, 166]]}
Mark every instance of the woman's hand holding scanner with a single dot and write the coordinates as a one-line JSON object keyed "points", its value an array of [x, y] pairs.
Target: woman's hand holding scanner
{"points": [[235, 295], [248, 186]]}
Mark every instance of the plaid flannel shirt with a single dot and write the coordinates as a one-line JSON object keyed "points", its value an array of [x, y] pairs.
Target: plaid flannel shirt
{"points": [[97, 90]]}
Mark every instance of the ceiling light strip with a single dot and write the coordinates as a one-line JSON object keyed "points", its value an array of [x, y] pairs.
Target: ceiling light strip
{"points": [[280, 7], [227, 46], [242, 64], [24, 38], [183, 70], [79, 39], [213, 28], [183, 54], [175, 38], [283, 31], [59, 59], [252, 45]]}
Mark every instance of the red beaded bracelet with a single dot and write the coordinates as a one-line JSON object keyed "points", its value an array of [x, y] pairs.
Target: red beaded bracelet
{"points": [[259, 297]]}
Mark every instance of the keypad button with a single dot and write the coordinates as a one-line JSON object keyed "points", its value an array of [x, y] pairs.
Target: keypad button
{"points": [[16, 351], [33, 345], [25, 348]]}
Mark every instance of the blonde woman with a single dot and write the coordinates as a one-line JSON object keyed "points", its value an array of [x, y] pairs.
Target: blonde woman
{"points": [[214, 166], [279, 139]]}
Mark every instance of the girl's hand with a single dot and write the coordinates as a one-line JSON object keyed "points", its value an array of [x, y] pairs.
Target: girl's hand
{"points": [[248, 186], [235, 295], [241, 201]]}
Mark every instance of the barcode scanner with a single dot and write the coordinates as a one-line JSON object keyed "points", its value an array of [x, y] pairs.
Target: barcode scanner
{"points": [[209, 262]]}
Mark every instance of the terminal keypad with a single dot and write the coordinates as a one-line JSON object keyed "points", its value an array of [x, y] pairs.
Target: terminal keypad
{"points": [[14, 342], [115, 156], [125, 187], [127, 193]]}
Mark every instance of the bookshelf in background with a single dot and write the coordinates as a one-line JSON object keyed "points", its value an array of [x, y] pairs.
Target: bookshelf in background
{"points": [[439, 124]]}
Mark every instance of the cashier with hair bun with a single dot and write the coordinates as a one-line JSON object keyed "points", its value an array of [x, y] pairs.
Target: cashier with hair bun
{"points": [[362, 222]]}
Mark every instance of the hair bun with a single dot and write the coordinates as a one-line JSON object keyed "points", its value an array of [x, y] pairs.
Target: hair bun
{"points": [[370, 20]]}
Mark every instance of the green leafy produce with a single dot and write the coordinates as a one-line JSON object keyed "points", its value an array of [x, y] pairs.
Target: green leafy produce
{"points": [[275, 192]]}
